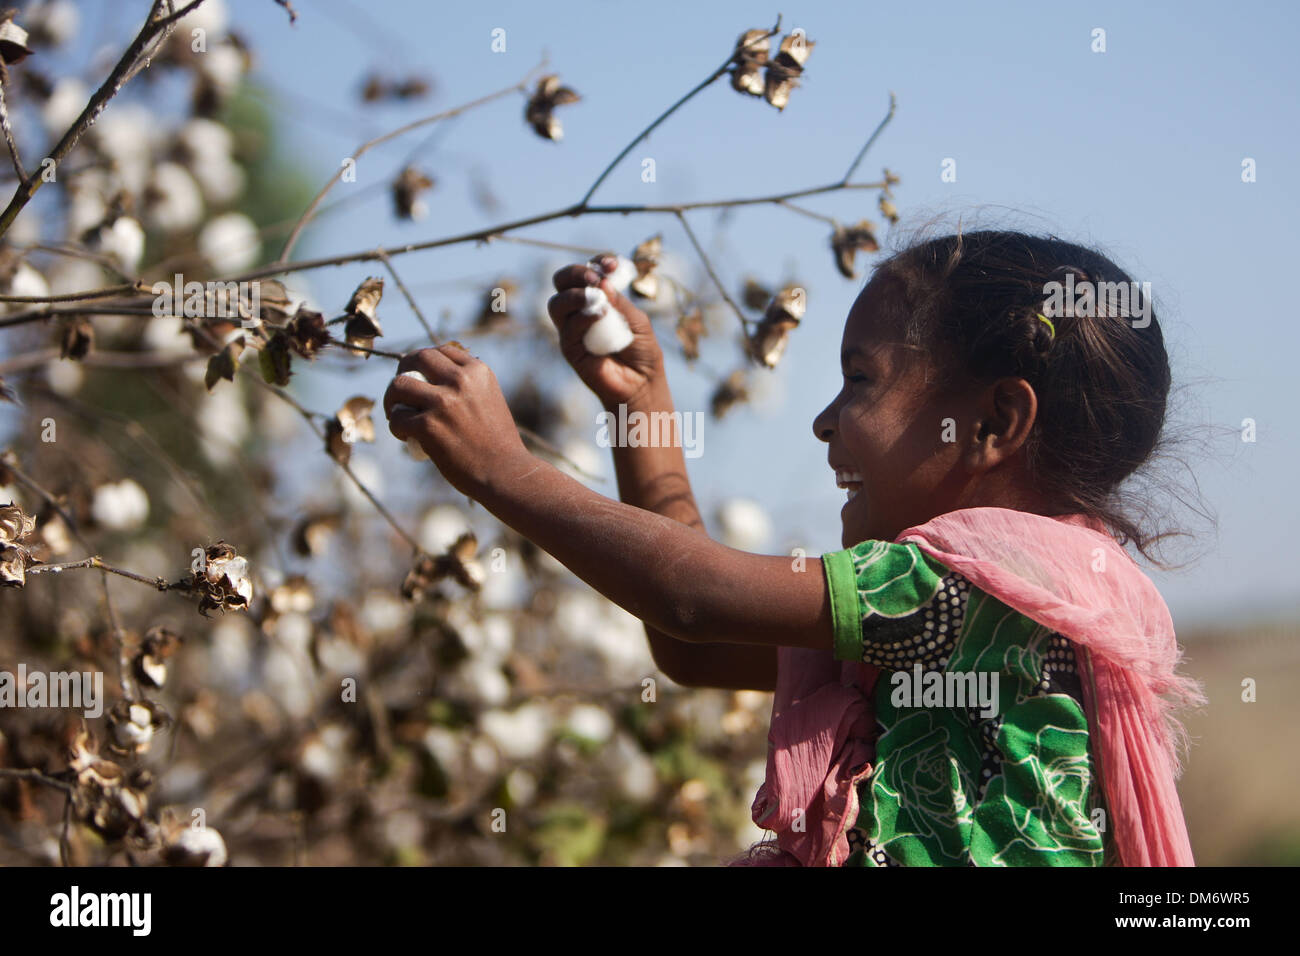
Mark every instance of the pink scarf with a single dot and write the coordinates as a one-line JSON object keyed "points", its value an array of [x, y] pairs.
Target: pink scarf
{"points": [[1065, 573]]}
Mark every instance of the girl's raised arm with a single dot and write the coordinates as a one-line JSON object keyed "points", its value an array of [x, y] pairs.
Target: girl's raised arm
{"points": [[673, 577]]}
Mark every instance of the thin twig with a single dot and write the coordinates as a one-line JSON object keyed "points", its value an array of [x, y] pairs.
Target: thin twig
{"points": [[107, 90], [853, 167], [712, 77], [36, 777], [410, 299], [4, 124], [708, 267], [95, 561], [107, 292], [809, 213]]}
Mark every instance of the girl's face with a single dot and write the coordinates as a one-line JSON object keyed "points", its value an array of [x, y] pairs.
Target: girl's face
{"points": [[886, 428]]}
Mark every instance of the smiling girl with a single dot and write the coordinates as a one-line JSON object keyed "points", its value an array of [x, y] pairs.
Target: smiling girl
{"points": [[981, 444]]}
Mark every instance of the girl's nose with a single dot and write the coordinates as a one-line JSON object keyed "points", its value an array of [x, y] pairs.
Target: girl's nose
{"points": [[822, 426]]}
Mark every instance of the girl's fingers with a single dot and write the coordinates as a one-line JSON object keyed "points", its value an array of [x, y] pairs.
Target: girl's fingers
{"points": [[411, 392], [400, 421], [575, 276], [437, 365]]}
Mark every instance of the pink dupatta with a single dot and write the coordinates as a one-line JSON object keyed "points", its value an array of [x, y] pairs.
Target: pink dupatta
{"points": [[1067, 574]]}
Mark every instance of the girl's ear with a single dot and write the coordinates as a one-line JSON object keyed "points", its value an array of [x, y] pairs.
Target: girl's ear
{"points": [[1005, 414]]}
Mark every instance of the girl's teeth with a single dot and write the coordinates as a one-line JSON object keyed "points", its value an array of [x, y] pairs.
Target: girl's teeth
{"points": [[853, 493]]}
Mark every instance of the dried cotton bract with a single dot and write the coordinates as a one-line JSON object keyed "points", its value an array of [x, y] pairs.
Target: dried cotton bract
{"points": [[351, 423], [847, 241], [459, 563], [767, 342], [407, 187], [363, 325], [784, 70], [646, 259], [224, 582], [748, 60], [15, 559], [541, 106]]}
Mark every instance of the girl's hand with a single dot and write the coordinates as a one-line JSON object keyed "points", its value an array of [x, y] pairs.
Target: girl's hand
{"points": [[458, 415], [617, 378]]}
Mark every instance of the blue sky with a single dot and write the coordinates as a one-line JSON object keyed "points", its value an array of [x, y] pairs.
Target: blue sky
{"points": [[1137, 150]]}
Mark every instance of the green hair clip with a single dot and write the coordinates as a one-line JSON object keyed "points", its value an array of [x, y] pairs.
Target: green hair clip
{"points": [[1050, 326]]}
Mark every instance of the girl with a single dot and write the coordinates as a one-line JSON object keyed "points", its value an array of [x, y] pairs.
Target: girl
{"points": [[981, 443]]}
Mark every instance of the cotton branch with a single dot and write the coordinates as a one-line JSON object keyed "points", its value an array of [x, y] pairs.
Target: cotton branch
{"points": [[125, 68], [5, 125]]}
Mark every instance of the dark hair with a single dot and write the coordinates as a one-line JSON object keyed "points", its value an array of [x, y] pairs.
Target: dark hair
{"points": [[972, 301]]}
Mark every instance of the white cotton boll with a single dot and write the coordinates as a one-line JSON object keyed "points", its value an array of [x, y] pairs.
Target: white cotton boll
{"points": [[744, 524], [521, 785], [518, 734], [322, 757], [122, 506], [211, 17], [446, 748], [204, 843], [289, 681], [622, 275], [53, 22], [293, 630], [123, 242], [168, 335], [576, 617], [339, 656], [203, 138], [498, 636], [590, 722], [506, 588], [634, 771], [230, 653], [440, 527], [27, 281], [175, 203], [381, 612], [483, 756], [608, 334], [230, 243], [223, 423], [221, 179], [126, 136], [223, 66], [64, 377], [64, 105], [87, 206], [482, 681]]}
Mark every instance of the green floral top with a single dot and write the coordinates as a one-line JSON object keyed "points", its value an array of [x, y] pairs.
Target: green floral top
{"points": [[952, 785]]}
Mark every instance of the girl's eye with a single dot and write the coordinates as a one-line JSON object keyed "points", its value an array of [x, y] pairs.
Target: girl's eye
{"points": [[858, 378]]}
